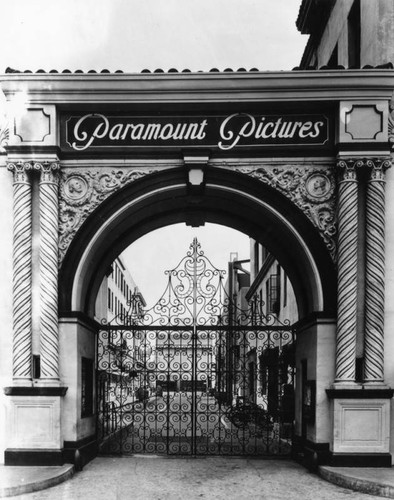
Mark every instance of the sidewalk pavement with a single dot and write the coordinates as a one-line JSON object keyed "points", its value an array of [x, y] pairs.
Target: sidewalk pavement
{"points": [[372, 480], [16, 480], [19, 480]]}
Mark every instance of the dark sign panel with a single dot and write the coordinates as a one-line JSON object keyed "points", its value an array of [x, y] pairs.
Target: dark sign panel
{"points": [[94, 131]]}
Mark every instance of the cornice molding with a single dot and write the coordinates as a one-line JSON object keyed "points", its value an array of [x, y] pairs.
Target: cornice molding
{"points": [[323, 85]]}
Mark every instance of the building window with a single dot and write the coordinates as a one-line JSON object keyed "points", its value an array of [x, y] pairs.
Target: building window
{"points": [[256, 258], [354, 35], [87, 387], [284, 290], [273, 294]]}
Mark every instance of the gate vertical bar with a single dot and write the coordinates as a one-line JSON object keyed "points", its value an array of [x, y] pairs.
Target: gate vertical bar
{"points": [[194, 352]]}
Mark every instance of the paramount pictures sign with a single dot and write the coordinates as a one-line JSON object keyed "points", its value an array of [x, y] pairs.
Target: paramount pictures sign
{"points": [[92, 132]]}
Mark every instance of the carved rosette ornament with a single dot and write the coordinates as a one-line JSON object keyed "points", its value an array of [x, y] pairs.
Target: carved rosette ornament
{"points": [[22, 271], [310, 188], [49, 336], [82, 191], [347, 270], [375, 271]]}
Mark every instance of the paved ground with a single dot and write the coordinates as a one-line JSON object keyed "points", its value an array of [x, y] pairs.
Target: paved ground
{"points": [[16, 480], [161, 478]]}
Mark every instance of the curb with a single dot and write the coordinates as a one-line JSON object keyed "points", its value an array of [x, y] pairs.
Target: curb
{"points": [[356, 484], [64, 474]]}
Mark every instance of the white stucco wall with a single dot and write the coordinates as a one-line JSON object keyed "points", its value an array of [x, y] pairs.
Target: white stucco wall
{"points": [[76, 341], [316, 345], [377, 33]]}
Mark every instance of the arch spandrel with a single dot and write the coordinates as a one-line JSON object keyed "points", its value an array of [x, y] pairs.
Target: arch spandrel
{"points": [[82, 190], [121, 204], [310, 187]]}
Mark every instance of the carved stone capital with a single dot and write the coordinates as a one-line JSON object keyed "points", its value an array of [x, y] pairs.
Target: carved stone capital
{"points": [[20, 170], [378, 167], [348, 168], [48, 171]]}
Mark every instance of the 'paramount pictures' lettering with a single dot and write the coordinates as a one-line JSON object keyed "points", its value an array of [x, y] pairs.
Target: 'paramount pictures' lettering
{"points": [[241, 129]]}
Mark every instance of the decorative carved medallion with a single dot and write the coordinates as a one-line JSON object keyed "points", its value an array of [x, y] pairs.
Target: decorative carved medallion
{"points": [[82, 191], [319, 188], [77, 190]]}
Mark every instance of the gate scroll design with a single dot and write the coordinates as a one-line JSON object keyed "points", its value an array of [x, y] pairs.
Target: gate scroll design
{"points": [[195, 375]]}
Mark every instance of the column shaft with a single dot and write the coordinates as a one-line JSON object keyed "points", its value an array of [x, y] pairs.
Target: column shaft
{"points": [[347, 273], [49, 336], [22, 273], [375, 273]]}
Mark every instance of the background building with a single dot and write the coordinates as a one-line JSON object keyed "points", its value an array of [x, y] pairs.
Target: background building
{"points": [[120, 371], [116, 293], [347, 33]]}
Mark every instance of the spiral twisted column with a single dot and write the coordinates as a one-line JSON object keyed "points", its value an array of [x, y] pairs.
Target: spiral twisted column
{"points": [[22, 273], [347, 271], [49, 335], [375, 271]]}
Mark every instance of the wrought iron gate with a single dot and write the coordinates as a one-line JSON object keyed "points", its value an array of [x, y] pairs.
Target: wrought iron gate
{"points": [[195, 374]]}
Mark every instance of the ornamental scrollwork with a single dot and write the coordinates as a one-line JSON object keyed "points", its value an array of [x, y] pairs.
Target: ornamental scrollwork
{"points": [[310, 188], [82, 190], [391, 126], [4, 137]]}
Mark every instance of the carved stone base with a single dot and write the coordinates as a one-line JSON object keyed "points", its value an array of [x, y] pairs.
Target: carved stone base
{"points": [[360, 460], [33, 457], [34, 423], [361, 425]]}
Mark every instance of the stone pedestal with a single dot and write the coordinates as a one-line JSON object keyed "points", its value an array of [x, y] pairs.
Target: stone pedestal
{"points": [[361, 426], [34, 423]]}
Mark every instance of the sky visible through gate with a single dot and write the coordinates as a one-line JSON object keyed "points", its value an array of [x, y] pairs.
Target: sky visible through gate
{"points": [[162, 250], [131, 35]]}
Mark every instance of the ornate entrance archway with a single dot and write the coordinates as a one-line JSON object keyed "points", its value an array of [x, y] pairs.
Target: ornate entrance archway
{"points": [[291, 159]]}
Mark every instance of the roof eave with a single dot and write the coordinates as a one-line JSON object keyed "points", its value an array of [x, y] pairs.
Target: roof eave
{"points": [[200, 87]]}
